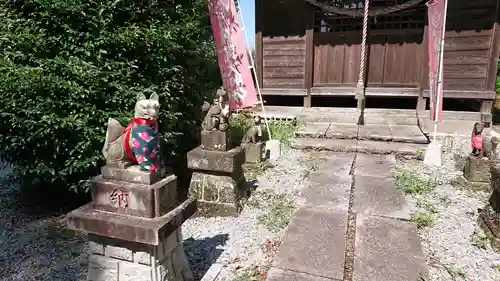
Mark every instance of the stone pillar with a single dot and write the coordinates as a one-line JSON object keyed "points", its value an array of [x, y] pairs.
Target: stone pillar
{"points": [[253, 152], [218, 182], [477, 169], [134, 225], [490, 214]]}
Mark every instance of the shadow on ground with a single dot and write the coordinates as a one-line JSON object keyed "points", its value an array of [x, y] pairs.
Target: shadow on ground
{"points": [[202, 253]]}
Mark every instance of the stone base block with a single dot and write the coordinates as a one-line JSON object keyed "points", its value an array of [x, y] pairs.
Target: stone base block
{"points": [[135, 199], [489, 221], [114, 259], [477, 169], [214, 140], [253, 152], [131, 174], [130, 228], [218, 194], [217, 161]]}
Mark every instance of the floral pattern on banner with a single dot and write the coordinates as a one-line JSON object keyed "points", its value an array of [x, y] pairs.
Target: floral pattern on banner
{"points": [[231, 54], [436, 15]]}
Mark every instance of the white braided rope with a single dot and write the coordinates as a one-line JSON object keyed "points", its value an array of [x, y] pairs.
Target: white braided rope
{"points": [[362, 65], [357, 14]]}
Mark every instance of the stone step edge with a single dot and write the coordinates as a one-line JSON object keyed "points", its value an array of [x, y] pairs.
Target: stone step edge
{"points": [[362, 146], [416, 140]]}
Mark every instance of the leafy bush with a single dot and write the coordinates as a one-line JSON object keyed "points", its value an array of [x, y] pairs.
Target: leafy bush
{"points": [[66, 66]]}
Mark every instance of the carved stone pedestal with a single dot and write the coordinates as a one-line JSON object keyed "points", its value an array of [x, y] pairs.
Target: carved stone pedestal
{"points": [[490, 214], [134, 228], [218, 182], [253, 152], [214, 140], [477, 169]]}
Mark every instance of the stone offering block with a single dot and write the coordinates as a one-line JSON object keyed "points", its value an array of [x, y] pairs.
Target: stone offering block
{"points": [[114, 259], [129, 228], [253, 152], [477, 169], [130, 174], [490, 223], [214, 140], [217, 161], [133, 199], [218, 194]]}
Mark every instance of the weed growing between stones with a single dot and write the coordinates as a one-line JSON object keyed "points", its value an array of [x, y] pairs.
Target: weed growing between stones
{"points": [[252, 171], [454, 271], [284, 131], [421, 203], [278, 209], [411, 183], [479, 240], [422, 219]]}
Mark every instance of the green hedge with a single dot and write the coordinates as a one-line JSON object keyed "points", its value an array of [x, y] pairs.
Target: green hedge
{"points": [[66, 66]]}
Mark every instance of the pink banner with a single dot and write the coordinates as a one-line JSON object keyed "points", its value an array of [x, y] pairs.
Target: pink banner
{"points": [[437, 20], [231, 54]]}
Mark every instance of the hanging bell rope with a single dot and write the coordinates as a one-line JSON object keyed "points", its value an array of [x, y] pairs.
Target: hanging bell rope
{"points": [[359, 14]]}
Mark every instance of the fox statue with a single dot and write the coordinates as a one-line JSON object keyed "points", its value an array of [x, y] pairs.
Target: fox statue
{"points": [[139, 142]]}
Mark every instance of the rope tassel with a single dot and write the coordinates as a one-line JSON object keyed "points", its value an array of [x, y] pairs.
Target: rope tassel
{"points": [[360, 89]]}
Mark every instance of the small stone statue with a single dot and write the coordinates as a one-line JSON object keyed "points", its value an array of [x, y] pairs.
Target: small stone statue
{"points": [[254, 134], [217, 114], [139, 143], [477, 140], [490, 147]]}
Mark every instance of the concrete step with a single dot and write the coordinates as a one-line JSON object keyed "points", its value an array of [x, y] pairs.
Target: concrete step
{"points": [[396, 133], [362, 146]]}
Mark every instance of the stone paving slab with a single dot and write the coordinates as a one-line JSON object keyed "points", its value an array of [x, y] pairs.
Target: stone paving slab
{"points": [[327, 192], [277, 274], [335, 163], [387, 250], [314, 243], [362, 146], [375, 132], [411, 134], [375, 165], [342, 131], [379, 196], [313, 130]]}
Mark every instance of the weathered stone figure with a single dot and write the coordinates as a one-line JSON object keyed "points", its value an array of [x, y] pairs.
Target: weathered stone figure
{"points": [[482, 157], [218, 113], [218, 181], [477, 140], [135, 217], [139, 143], [490, 214], [253, 143]]}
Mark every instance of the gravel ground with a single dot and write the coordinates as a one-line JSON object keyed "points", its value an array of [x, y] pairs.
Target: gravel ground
{"points": [[41, 248], [241, 243], [448, 243]]}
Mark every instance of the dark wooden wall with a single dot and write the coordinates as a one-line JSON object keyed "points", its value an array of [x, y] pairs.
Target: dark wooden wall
{"points": [[294, 59]]}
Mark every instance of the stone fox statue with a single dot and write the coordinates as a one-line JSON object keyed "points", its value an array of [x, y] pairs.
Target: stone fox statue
{"points": [[139, 142]]}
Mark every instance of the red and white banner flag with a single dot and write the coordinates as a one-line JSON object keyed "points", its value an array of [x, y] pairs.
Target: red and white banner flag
{"points": [[437, 20], [231, 54]]}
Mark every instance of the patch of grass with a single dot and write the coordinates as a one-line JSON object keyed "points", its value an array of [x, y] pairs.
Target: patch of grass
{"points": [[278, 210], [240, 123], [421, 203], [454, 271], [420, 153], [422, 219], [247, 277], [412, 183], [479, 240], [252, 171], [310, 161], [284, 131]]}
